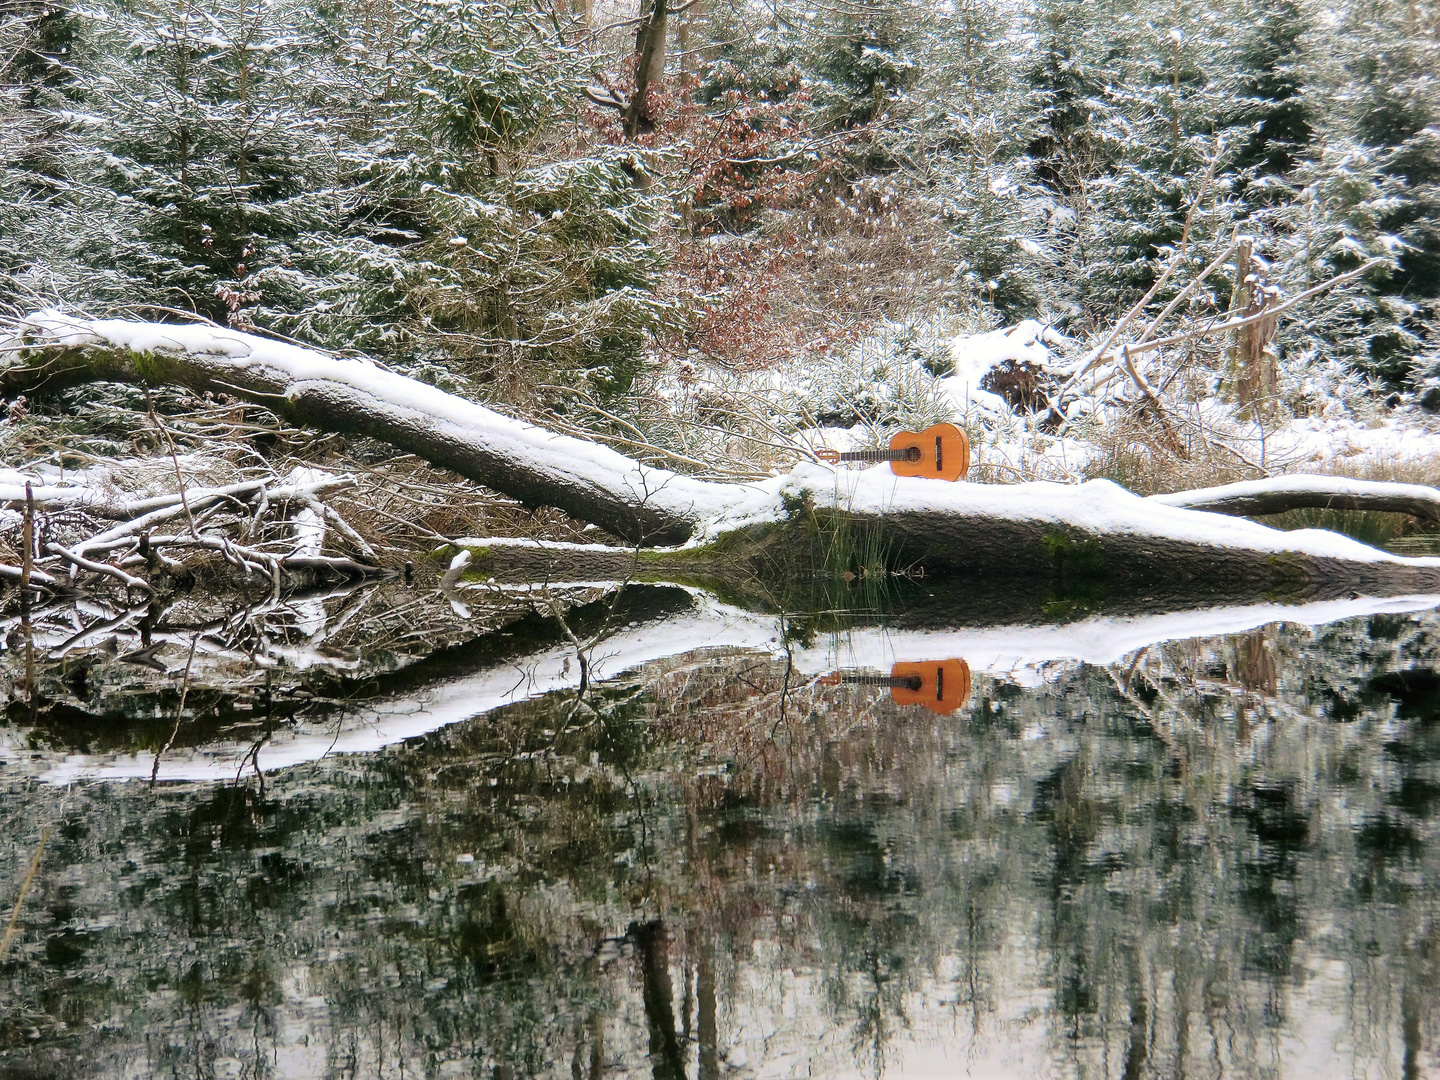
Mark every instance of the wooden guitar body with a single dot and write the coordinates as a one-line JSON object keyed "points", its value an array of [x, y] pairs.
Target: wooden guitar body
{"points": [[944, 453], [944, 684], [940, 452], [941, 686]]}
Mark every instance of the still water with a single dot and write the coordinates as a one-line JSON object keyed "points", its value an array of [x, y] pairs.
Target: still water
{"points": [[751, 850]]}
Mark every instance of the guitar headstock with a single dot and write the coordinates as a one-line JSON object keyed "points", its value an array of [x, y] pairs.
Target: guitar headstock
{"points": [[833, 679], [830, 456]]}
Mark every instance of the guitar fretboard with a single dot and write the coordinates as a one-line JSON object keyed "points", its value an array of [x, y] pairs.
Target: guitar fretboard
{"points": [[894, 682], [910, 453]]}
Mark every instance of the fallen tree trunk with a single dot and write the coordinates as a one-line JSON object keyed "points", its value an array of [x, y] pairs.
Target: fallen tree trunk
{"points": [[1257, 498], [308, 389], [813, 519]]}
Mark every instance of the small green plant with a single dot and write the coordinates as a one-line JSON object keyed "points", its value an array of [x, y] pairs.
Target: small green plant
{"points": [[1074, 559]]}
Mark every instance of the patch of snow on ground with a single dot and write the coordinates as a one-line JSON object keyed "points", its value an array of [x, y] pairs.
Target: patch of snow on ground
{"points": [[1398, 438]]}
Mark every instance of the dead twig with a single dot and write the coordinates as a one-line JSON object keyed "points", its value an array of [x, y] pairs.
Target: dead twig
{"points": [[24, 888], [128, 580]]}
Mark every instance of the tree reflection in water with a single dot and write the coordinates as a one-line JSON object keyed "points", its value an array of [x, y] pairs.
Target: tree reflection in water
{"points": [[1215, 858]]}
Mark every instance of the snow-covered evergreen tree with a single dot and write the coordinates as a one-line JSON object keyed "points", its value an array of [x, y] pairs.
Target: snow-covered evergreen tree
{"points": [[532, 249], [196, 156], [1274, 114], [1391, 108], [967, 140]]}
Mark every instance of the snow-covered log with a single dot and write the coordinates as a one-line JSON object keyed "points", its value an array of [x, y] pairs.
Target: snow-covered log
{"points": [[1093, 534], [309, 389], [1255, 498]]}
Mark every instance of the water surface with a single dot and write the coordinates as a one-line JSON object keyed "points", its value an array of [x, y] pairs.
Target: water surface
{"points": [[1198, 857]]}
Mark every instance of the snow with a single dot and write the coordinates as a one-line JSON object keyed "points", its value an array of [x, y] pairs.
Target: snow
{"points": [[1021, 653], [974, 355], [1391, 440], [1097, 507], [526, 542], [295, 370], [12, 490], [1302, 482]]}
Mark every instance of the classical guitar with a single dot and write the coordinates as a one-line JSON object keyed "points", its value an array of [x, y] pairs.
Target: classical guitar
{"points": [[942, 686], [941, 452]]}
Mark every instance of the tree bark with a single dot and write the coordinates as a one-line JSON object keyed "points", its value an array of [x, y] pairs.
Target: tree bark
{"points": [[649, 68]]}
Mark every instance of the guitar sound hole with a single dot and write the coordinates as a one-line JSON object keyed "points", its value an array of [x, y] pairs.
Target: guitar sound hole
{"points": [[912, 454]]}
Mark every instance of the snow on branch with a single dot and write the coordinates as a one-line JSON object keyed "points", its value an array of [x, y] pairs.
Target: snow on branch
{"points": [[1303, 492], [539, 467]]}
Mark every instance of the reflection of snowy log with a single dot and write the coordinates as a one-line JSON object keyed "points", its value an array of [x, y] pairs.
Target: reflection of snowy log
{"points": [[1090, 532], [653, 624], [1254, 498]]}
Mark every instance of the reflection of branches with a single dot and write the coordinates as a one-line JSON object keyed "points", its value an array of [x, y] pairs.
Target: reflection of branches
{"points": [[179, 712], [252, 758], [24, 888]]}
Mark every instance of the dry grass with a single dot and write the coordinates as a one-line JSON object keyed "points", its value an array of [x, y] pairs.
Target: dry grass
{"points": [[1419, 470], [1148, 459], [408, 506]]}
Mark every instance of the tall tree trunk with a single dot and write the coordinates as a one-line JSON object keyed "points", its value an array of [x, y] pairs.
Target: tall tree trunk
{"points": [[638, 117], [1252, 363], [685, 41]]}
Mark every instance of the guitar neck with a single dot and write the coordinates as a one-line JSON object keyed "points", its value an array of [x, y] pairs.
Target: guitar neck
{"points": [[874, 457], [893, 682]]}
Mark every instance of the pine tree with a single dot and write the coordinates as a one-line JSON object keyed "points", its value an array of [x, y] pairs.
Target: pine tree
{"points": [[1066, 88], [1275, 112], [1394, 50], [193, 158], [36, 41], [966, 139], [530, 251], [1361, 192], [1165, 189]]}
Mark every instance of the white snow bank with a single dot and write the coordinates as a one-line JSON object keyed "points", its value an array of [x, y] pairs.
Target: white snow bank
{"points": [[1314, 439], [1018, 653], [975, 355]]}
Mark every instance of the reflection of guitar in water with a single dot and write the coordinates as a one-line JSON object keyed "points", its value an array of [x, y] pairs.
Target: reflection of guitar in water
{"points": [[942, 686], [940, 452]]}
